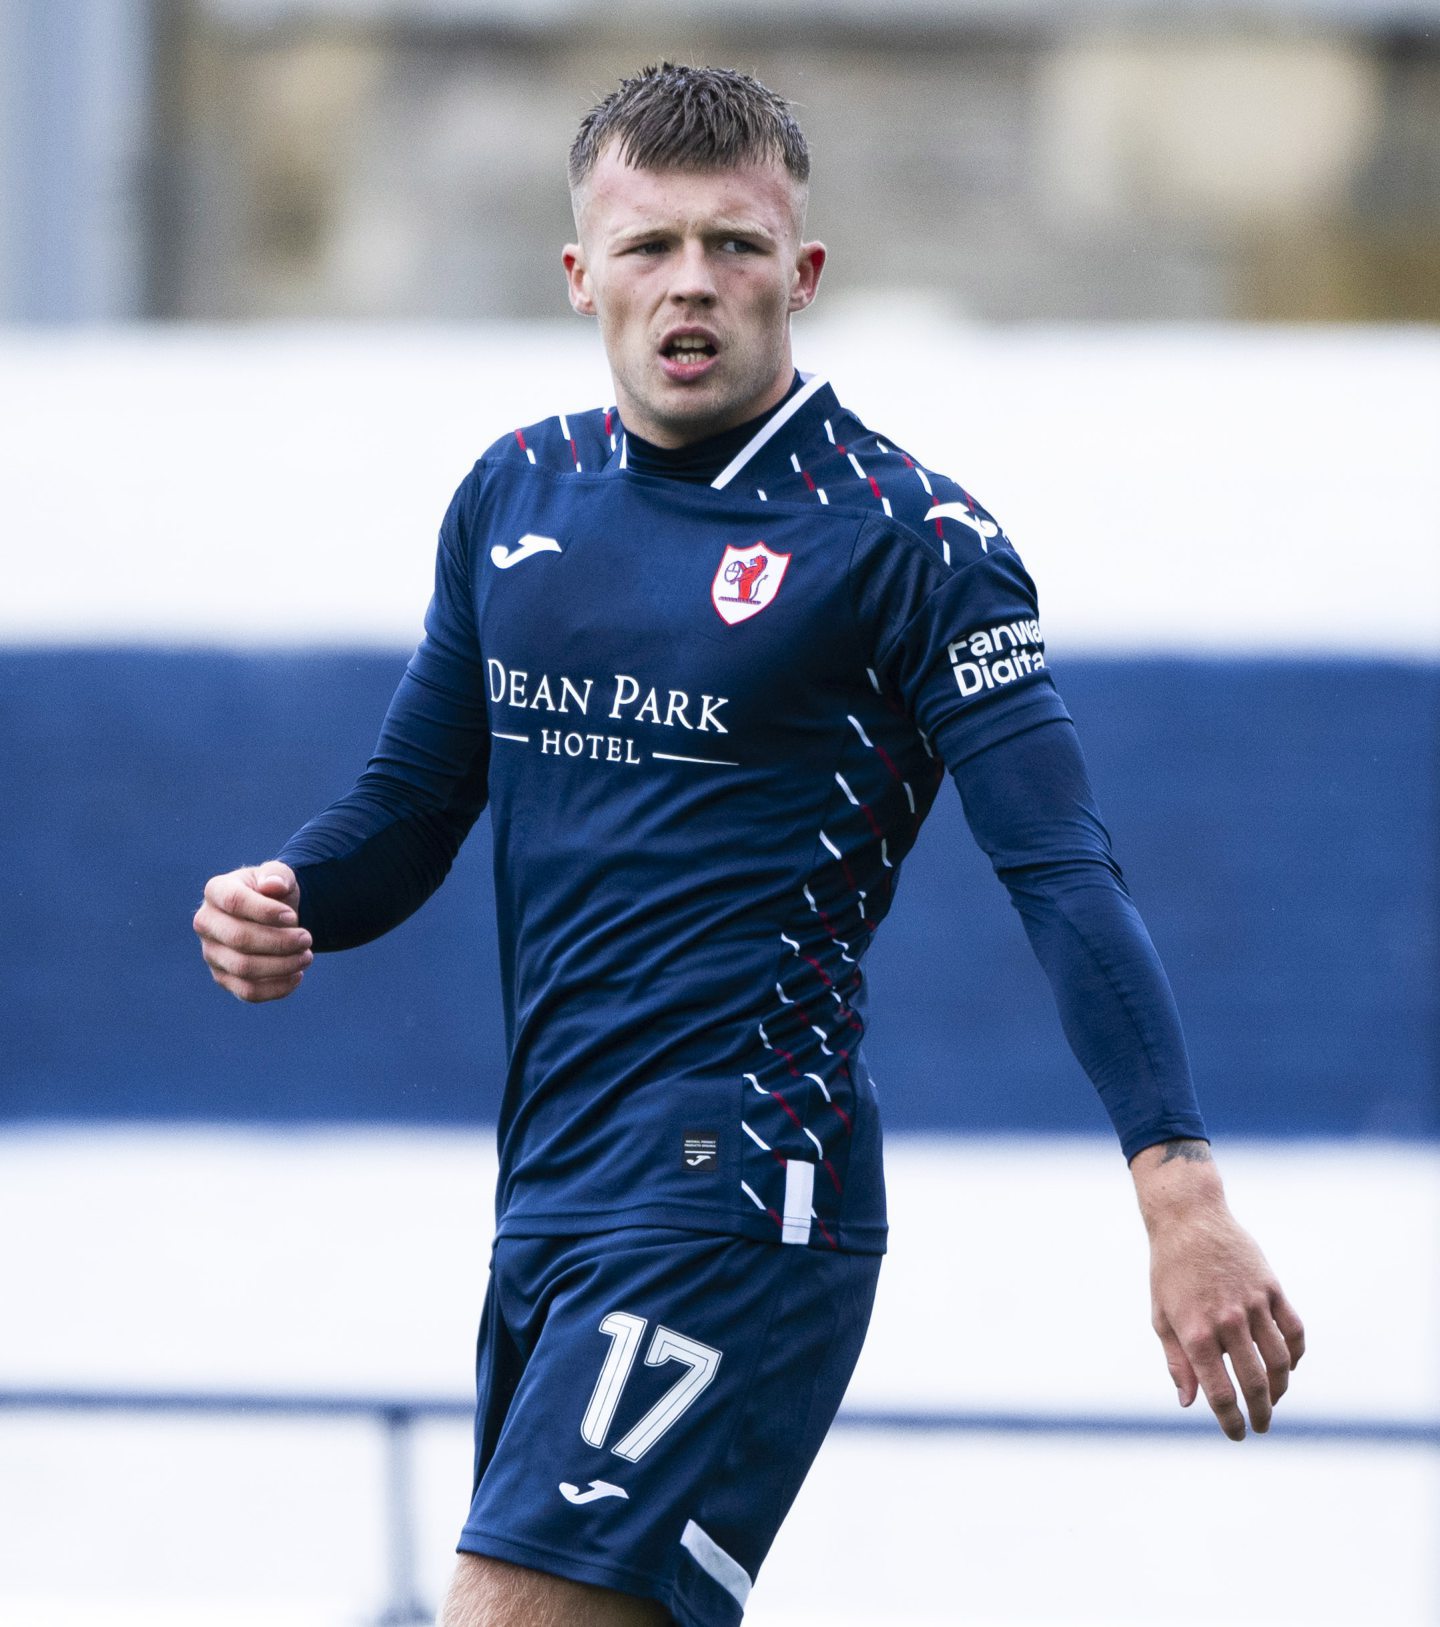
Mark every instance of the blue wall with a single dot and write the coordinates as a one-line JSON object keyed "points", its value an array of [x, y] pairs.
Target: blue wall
{"points": [[1277, 822]]}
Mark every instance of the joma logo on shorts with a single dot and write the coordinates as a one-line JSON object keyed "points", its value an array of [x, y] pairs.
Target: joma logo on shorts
{"points": [[598, 1488]]}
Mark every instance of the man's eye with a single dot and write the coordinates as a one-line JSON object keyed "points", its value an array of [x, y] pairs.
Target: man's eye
{"points": [[739, 245], [648, 248]]}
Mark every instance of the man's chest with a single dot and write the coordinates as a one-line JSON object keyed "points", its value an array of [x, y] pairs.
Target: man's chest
{"points": [[602, 609]]}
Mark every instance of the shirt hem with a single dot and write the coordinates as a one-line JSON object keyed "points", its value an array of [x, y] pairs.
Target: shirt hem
{"points": [[985, 726], [861, 1238]]}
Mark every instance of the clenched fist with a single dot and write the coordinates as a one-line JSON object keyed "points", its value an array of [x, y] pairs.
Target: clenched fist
{"points": [[250, 933]]}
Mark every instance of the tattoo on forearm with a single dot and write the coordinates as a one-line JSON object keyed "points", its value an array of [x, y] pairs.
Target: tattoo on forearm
{"points": [[1194, 1152]]}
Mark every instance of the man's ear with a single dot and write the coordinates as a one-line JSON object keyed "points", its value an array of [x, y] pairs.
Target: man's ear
{"points": [[577, 279], [809, 263]]}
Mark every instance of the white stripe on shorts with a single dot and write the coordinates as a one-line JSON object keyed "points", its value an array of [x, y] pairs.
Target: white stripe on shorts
{"points": [[715, 1562], [799, 1191]]}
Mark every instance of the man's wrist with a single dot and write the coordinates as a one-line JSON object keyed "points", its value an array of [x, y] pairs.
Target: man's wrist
{"points": [[1175, 1177]]}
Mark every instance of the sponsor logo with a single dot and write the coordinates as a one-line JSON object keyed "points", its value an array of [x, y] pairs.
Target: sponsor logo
{"points": [[984, 529], [621, 698], [746, 581], [996, 656], [701, 1150], [598, 1489], [528, 546]]}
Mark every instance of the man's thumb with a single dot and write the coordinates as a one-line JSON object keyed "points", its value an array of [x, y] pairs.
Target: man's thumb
{"points": [[275, 881]]}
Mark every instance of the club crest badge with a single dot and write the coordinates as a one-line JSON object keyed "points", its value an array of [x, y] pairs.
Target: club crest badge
{"points": [[748, 579]]}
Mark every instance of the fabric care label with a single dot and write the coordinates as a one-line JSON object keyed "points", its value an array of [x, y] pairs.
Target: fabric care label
{"points": [[702, 1150]]}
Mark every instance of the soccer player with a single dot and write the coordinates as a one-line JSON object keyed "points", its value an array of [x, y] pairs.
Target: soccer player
{"points": [[708, 655]]}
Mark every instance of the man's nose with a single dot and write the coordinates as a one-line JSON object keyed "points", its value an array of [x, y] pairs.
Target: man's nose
{"points": [[692, 281]]}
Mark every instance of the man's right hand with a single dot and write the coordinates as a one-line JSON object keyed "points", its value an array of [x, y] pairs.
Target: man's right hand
{"points": [[250, 933]]}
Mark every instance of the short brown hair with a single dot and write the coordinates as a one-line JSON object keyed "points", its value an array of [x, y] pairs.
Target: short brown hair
{"points": [[670, 117]]}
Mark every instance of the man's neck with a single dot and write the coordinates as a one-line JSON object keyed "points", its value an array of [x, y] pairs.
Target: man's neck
{"points": [[700, 461]]}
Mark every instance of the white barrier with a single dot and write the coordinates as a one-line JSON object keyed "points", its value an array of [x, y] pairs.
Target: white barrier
{"points": [[351, 1263], [1219, 489]]}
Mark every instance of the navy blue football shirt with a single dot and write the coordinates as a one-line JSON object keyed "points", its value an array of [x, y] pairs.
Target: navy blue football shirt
{"points": [[709, 719]]}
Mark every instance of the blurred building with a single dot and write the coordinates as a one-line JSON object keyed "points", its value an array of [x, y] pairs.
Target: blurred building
{"points": [[1001, 159]]}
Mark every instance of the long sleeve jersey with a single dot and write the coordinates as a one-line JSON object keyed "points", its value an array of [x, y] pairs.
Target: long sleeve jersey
{"points": [[708, 718]]}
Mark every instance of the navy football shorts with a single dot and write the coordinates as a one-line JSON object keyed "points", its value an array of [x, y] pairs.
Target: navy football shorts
{"points": [[649, 1402]]}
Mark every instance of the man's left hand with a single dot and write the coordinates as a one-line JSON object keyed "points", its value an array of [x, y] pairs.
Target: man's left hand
{"points": [[1213, 1296]]}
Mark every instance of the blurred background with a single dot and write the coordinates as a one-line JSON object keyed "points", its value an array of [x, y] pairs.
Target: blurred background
{"points": [[1008, 160], [1160, 282]]}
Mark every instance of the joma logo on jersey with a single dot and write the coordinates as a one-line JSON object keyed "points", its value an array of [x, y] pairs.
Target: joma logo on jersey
{"points": [[996, 655], [528, 546], [965, 513], [747, 580]]}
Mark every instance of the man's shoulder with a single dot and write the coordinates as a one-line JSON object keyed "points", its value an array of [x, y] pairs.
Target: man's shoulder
{"points": [[568, 442], [847, 465]]}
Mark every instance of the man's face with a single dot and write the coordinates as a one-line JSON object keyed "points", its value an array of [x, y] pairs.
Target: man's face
{"points": [[693, 276]]}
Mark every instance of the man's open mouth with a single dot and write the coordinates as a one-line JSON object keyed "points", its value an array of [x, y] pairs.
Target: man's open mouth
{"points": [[687, 347]]}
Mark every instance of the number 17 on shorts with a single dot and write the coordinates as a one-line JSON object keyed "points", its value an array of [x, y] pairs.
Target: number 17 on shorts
{"points": [[627, 1333], [650, 1401]]}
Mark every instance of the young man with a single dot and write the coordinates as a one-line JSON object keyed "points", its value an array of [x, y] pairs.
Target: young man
{"points": [[708, 655]]}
